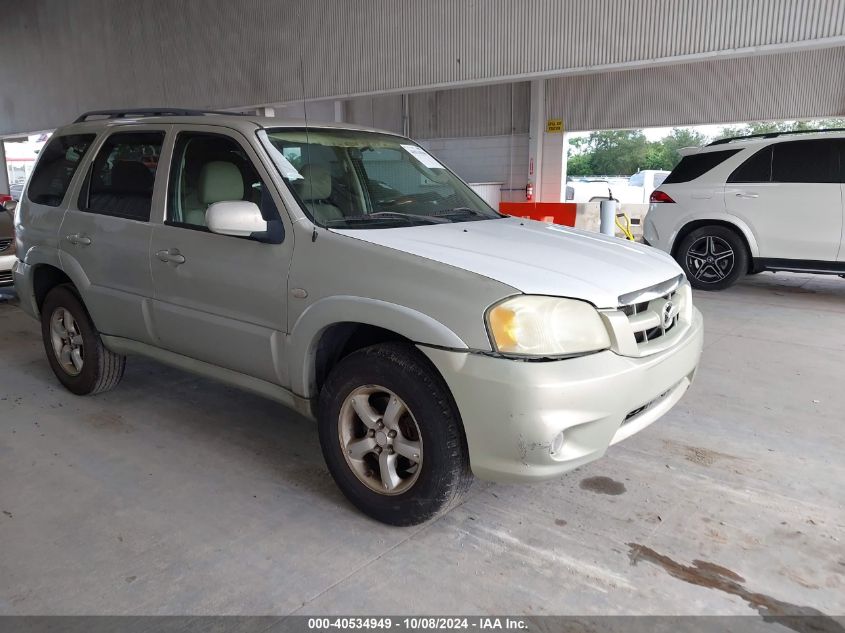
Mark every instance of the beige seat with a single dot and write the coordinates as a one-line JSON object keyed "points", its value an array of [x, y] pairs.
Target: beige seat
{"points": [[315, 189], [219, 181]]}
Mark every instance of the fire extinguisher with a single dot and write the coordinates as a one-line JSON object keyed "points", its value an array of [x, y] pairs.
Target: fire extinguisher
{"points": [[529, 192]]}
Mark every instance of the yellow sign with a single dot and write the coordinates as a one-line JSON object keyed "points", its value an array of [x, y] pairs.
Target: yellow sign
{"points": [[554, 126]]}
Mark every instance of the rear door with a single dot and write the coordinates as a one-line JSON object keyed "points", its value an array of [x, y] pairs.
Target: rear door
{"points": [[790, 195], [218, 298], [105, 234]]}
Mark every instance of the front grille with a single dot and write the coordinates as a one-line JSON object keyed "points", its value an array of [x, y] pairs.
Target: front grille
{"points": [[649, 320], [5, 244], [5, 277]]}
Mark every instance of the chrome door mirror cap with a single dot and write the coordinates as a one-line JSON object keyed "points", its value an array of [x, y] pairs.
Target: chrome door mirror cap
{"points": [[235, 217]]}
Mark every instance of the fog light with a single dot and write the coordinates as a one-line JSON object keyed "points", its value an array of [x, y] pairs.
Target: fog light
{"points": [[557, 444]]}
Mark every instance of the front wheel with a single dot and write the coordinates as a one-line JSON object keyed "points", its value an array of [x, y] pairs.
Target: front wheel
{"points": [[713, 257], [391, 435]]}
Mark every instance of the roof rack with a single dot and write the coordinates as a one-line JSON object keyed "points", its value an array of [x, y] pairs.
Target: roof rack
{"points": [[142, 112], [722, 141]]}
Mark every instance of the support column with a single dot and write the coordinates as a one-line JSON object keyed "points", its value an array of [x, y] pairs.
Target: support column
{"points": [[339, 111], [4, 173], [265, 111], [555, 153], [536, 134]]}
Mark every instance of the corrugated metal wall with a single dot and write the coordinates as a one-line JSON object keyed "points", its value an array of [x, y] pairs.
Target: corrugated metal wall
{"points": [[59, 57], [495, 110], [802, 84]]}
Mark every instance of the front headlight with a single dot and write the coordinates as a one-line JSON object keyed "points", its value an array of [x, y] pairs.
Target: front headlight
{"points": [[546, 326]]}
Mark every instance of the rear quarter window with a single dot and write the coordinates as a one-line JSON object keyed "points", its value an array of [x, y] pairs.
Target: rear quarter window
{"points": [[756, 168], [56, 166], [695, 165]]}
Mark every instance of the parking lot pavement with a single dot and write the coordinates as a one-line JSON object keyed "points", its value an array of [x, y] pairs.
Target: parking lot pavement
{"points": [[173, 494]]}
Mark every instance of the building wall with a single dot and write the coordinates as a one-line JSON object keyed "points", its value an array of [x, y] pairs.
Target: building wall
{"points": [[61, 58], [500, 159], [495, 110], [800, 84]]}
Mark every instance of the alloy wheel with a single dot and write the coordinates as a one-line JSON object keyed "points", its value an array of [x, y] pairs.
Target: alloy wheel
{"points": [[380, 440], [710, 259], [67, 341]]}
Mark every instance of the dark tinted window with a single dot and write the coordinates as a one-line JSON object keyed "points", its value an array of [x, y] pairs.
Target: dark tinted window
{"points": [[56, 166], [757, 168], [695, 165], [806, 161], [120, 181], [209, 168]]}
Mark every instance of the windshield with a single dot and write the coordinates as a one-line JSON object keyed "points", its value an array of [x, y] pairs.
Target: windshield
{"points": [[354, 180]]}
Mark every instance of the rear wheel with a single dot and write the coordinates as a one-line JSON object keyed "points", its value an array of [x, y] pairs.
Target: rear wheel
{"points": [[391, 435], [74, 349], [713, 257]]}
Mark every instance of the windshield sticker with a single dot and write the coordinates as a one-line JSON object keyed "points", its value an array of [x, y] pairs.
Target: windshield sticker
{"points": [[287, 169], [424, 157]]}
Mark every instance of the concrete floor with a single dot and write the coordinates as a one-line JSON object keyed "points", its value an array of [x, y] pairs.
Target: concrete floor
{"points": [[176, 495]]}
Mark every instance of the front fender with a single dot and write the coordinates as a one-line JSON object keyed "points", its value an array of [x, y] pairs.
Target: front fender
{"points": [[305, 333]]}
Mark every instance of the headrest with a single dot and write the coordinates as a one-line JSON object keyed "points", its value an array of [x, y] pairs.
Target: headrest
{"points": [[129, 176], [316, 183], [220, 180]]}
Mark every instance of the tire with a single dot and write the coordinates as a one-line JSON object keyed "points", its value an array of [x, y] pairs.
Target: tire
{"points": [[372, 384], [712, 257], [94, 369]]}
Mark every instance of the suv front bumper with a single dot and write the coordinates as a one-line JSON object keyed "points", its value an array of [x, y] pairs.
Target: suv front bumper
{"points": [[513, 410]]}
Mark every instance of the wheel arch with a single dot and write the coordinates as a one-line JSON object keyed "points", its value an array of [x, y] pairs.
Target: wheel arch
{"points": [[334, 327], [45, 277], [738, 227]]}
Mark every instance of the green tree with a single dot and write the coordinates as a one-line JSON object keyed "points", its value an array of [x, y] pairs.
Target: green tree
{"points": [[617, 151], [765, 127], [623, 152], [580, 164], [677, 139]]}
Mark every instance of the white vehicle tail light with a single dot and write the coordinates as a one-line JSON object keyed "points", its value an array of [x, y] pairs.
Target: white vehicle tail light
{"points": [[660, 196]]}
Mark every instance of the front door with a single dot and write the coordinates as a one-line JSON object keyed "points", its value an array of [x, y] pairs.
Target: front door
{"points": [[105, 236], [219, 299]]}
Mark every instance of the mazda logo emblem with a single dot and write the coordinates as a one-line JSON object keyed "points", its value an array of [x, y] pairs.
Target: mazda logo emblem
{"points": [[668, 309]]}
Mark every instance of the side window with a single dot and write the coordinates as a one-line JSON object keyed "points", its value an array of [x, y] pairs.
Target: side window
{"points": [[757, 168], [120, 181], [695, 165], [806, 161], [637, 180], [56, 166], [209, 168]]}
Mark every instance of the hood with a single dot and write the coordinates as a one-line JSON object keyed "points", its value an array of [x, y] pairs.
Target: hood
{"points": [[534, 257]]}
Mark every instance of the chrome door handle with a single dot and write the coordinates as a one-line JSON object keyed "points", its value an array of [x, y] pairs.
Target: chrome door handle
{"points": [[747, 195], [172, 256], [78, 239]]}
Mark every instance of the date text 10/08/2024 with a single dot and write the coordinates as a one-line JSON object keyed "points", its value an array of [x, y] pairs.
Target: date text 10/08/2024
{"points": [[417, 623]]}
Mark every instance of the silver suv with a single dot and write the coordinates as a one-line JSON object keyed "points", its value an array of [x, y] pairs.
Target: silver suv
{"points": [[349, 275]]}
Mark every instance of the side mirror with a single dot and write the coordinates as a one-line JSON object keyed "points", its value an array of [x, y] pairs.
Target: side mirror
{"points": [[236, 217], [10, 205]]}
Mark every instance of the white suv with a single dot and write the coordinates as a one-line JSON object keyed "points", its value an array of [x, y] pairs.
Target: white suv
{"points": [[750, 204], [349, 275]]}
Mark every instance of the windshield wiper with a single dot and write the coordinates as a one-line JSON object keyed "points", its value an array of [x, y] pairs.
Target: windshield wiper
{"points": [[388, 215], [457, 211]]}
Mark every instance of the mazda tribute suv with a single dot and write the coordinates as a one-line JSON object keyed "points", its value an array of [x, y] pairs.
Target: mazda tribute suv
{"points": [[348, 274]]}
